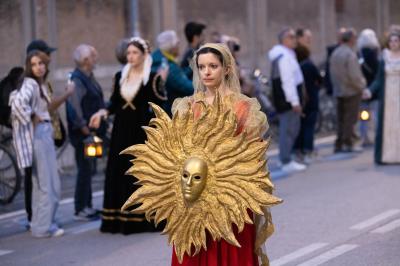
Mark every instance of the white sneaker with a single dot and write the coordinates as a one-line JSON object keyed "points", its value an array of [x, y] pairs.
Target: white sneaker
{"points": [[293, 166], [89, 211], [58, 232]]}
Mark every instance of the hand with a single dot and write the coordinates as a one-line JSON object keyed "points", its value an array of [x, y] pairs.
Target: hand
{"points": [[96, 118], [366, 94], [85, 131], [297, 109], [36, 120]]}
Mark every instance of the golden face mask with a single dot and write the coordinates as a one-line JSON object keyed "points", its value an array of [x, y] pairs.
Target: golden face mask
{"points": [[193, 179]]}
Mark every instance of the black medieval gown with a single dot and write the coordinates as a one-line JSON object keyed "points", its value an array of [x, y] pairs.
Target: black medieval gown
{"points": [[127, 130]]}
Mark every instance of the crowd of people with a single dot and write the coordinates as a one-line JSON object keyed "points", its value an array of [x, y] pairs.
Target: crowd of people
{"points": [[356, 78], [368, 77]]}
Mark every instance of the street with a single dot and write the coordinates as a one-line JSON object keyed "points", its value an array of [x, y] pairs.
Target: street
{"points": [[343, 210]]}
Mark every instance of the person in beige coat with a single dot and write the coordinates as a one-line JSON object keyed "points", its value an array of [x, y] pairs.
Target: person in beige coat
{"points": [[348, 84]]}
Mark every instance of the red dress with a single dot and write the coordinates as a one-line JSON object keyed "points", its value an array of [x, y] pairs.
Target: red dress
{"points": [[221, 253]]}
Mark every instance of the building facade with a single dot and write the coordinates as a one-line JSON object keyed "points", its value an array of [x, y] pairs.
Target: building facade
{"points": [[102, 23]]}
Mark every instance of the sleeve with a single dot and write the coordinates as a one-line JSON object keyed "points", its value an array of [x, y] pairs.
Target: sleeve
{"points": [[256, 124], [21, 103], [317, 76], [158, 92], [288, 81], [377, 85], [115, 97], [180, 104], [74, 102], [327, 78], [355, 75], [178, 82]]}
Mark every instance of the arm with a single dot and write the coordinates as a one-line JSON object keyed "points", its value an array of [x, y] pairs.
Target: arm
{"points": [[288, 83], [355, 75], [74, 102], [57, 101], [115, 97], [21, 103], [96, 118], [317, 76], [378, 83]]}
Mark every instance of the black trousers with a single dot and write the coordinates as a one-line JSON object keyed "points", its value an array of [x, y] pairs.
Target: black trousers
{"points": [[83, 188], [28, 192], [347, 116]]}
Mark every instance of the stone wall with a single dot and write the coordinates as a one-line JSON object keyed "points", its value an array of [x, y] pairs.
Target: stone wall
{"points": [[102, 23]]}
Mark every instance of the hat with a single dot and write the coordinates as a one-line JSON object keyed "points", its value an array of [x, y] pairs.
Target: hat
{"points": [[41, 46]]}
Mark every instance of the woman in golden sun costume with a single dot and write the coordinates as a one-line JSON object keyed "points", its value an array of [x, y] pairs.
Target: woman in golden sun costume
{"points": [[204, 171]]}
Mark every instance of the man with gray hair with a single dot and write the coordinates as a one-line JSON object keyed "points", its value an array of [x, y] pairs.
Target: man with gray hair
{"points": [[287, 80], [86, 100], [348, 84], [177, 83]]}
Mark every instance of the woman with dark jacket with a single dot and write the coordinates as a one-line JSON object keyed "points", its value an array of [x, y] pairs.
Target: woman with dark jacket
{"points": [[304, 145], [368, 54]]}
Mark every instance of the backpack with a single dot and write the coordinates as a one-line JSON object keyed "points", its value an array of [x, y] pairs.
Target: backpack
{"points": [[278, 95], [8, 84]]}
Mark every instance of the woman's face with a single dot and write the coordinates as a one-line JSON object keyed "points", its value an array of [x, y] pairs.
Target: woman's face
{"points": [[394, 43], [211, 70], [134, 56], [38, 67]]}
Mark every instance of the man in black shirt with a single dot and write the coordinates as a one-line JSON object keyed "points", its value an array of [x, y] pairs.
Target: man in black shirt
{"points": [[195, 37]]}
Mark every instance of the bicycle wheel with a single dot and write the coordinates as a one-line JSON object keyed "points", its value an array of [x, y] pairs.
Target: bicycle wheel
{"points": [[10, 177]]}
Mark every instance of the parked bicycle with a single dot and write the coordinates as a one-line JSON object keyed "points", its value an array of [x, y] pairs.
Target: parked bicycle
{"points": [[10, 176], [263, 92]]}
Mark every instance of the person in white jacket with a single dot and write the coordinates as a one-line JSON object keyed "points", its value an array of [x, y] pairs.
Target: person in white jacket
{"points": [[287, 80]]}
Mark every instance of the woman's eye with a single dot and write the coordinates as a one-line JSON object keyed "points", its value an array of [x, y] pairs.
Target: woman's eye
{"points": [[214, 66], [201, 67]]}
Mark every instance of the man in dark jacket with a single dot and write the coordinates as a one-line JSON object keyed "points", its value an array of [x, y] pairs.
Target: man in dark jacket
{"points": [[348, 85], [177, 83], [83, 103], [195, 37]]}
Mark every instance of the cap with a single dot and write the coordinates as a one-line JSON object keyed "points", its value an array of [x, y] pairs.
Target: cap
{"points": [[41, 46]]}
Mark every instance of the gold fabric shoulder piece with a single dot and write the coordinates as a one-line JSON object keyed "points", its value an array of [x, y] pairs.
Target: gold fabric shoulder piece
{"points": [[199, 176]]}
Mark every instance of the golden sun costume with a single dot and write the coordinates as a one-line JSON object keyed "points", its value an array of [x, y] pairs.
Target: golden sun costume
{"points": [[204, 171]]}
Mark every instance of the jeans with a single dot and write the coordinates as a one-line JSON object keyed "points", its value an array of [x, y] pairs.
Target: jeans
{"points": [[289, 126], [83, 187], [305, 140], [46, 189]]}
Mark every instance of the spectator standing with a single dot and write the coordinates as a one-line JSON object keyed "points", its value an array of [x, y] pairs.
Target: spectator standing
{"points": [[287, 81], [348, 84], [195, 37], [368, 53], [30, 107], [329, 51], [134, 87], [83, 103], [177, 84], [312, 80]]}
